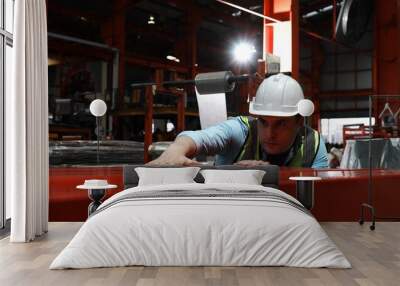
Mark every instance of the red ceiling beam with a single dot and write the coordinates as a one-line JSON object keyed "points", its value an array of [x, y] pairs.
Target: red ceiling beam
{"points": [[193, 21], [295, 19], [119, 41], [290, 8]]}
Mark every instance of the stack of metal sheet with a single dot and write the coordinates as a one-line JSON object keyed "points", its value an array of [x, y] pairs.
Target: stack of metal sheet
{"points": [[111, 152]]}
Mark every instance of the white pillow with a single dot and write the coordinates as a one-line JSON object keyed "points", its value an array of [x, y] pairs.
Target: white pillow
{"points": [[248, 177], [164, 176]]}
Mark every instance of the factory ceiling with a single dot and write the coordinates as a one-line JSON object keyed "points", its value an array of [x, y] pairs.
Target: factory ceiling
{"points": [[218, 26]]}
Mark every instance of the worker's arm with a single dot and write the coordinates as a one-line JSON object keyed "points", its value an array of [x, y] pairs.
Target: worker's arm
{"points": [[321, 159], [178, 153], [225, 139]]}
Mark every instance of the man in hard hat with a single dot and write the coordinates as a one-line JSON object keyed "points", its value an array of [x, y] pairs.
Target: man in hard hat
{"points": [[274, 134]]}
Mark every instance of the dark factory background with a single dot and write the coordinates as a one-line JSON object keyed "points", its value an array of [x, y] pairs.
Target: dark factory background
{"points": [[97, 49]]}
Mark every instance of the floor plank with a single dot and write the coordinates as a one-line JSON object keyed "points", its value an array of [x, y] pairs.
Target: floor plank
{"points": [[375, 257]]}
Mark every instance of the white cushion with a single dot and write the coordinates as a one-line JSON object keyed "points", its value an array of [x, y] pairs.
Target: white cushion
{"points": [[164, 176], [248, 177]]}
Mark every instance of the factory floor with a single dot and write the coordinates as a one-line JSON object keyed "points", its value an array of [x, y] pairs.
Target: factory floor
{"points": [[374, 255]]}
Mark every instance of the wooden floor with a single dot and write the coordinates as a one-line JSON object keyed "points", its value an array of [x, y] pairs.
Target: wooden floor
{"points": [[375, 257]]}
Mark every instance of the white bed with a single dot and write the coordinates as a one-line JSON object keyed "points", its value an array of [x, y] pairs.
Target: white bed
{"points": [[247, 226]]}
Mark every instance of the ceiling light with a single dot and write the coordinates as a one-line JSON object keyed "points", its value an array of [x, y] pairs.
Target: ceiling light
{"points": [[243, 52], [255, 7], [172, 58], [327, 8], [310, 14], [151, 20], [237, 13], [322, 10]]}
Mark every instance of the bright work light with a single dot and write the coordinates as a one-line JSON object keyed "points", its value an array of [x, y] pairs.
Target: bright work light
{"points": [[243, 52]]}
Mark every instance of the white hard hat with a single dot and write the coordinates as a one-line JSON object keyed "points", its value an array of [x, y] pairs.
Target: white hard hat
{"points": [[280, 95]]}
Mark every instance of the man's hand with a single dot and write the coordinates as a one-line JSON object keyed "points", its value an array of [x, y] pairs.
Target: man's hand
{"points": [[169, 159], [177, 154], [251, 163]]}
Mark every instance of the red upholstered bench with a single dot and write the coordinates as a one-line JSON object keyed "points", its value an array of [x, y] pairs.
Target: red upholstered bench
{"points": [[337, 198], [66, 203]]}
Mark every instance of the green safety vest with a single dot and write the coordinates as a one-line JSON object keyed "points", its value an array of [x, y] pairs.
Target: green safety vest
{"points": [[297, 157]]}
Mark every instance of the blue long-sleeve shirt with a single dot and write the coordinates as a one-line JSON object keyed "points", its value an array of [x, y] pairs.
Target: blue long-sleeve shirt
{"points": [[226, 139]]}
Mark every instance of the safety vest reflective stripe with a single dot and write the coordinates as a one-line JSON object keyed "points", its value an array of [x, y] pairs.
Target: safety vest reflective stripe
{"points": [[298, 159]]}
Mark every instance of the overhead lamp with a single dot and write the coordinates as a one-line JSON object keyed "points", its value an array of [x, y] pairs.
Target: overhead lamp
{"points": [[322, 10], [326, 9], [151, 20], [243, 52], [173, 58], [310, 14], [255, 7], [237, 13]]}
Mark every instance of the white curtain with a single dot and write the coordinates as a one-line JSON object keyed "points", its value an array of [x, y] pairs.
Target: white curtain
{"points": [[27, 124]]}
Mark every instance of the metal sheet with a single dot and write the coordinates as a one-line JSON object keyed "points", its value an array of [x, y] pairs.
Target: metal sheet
{"points": [[385, 154], [85, 152]]}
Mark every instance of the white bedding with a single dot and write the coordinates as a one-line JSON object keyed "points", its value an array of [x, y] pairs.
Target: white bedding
{"points": [[185, 231]]}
